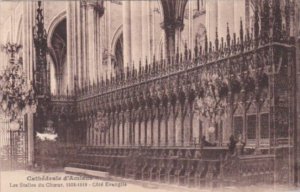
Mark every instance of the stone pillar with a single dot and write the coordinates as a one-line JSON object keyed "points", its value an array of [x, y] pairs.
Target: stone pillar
{"points": [[100, 45], [170, 39], [211, 18], [136, 32], [127, 33], [145, 30], [28, 45], [91, 41], [29, 11], [84, 33], [79, 54], [225, 15], [71, 44], [108, 35]]}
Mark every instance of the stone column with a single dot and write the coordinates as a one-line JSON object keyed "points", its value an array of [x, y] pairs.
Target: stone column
{"points": [[136, 32], [225, 15], [211, 18], [108, 34], [91, 40], [145, 30], [127, 33], [79, 54], [70, 45], [29, 9], [84, 62]]}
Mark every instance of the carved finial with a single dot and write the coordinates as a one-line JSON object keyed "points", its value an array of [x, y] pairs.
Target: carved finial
{"points": [[146, 66], [132, 69], [205, 43], [177, 55], [127, 72], [228, 36], [242, 34], [217, 40], [185, 51], [196, 48], [154, 64], [222, 43], [234, 39], [140, 67]]}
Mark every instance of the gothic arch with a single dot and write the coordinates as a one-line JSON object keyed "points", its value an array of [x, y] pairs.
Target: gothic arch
{"points": [[116, 35], [117, 47], [53, 24], [57, 47]]}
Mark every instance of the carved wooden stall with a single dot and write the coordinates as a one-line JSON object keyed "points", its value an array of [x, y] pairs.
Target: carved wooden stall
{"points": [[156, 114]]}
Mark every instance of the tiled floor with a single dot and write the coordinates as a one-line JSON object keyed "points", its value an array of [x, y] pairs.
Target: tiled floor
{"points": [[25, 181]]}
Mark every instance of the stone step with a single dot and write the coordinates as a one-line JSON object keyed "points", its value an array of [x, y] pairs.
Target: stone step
{"points": [[93, 173]]}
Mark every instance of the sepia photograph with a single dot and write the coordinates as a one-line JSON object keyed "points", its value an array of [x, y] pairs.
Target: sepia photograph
{"points": [[150, 95]]}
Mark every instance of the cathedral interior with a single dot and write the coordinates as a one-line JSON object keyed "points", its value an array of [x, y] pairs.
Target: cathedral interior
{"points": [[188, 92]]}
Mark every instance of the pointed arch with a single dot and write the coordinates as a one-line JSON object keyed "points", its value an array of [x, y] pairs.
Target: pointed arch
{"points": [[53, 24]]}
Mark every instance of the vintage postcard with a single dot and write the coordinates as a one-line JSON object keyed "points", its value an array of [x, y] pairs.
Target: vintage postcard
{"points": [[149, 95]]}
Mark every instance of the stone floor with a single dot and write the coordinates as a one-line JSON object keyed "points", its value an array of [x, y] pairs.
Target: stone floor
{"points": [[27, 181]]}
